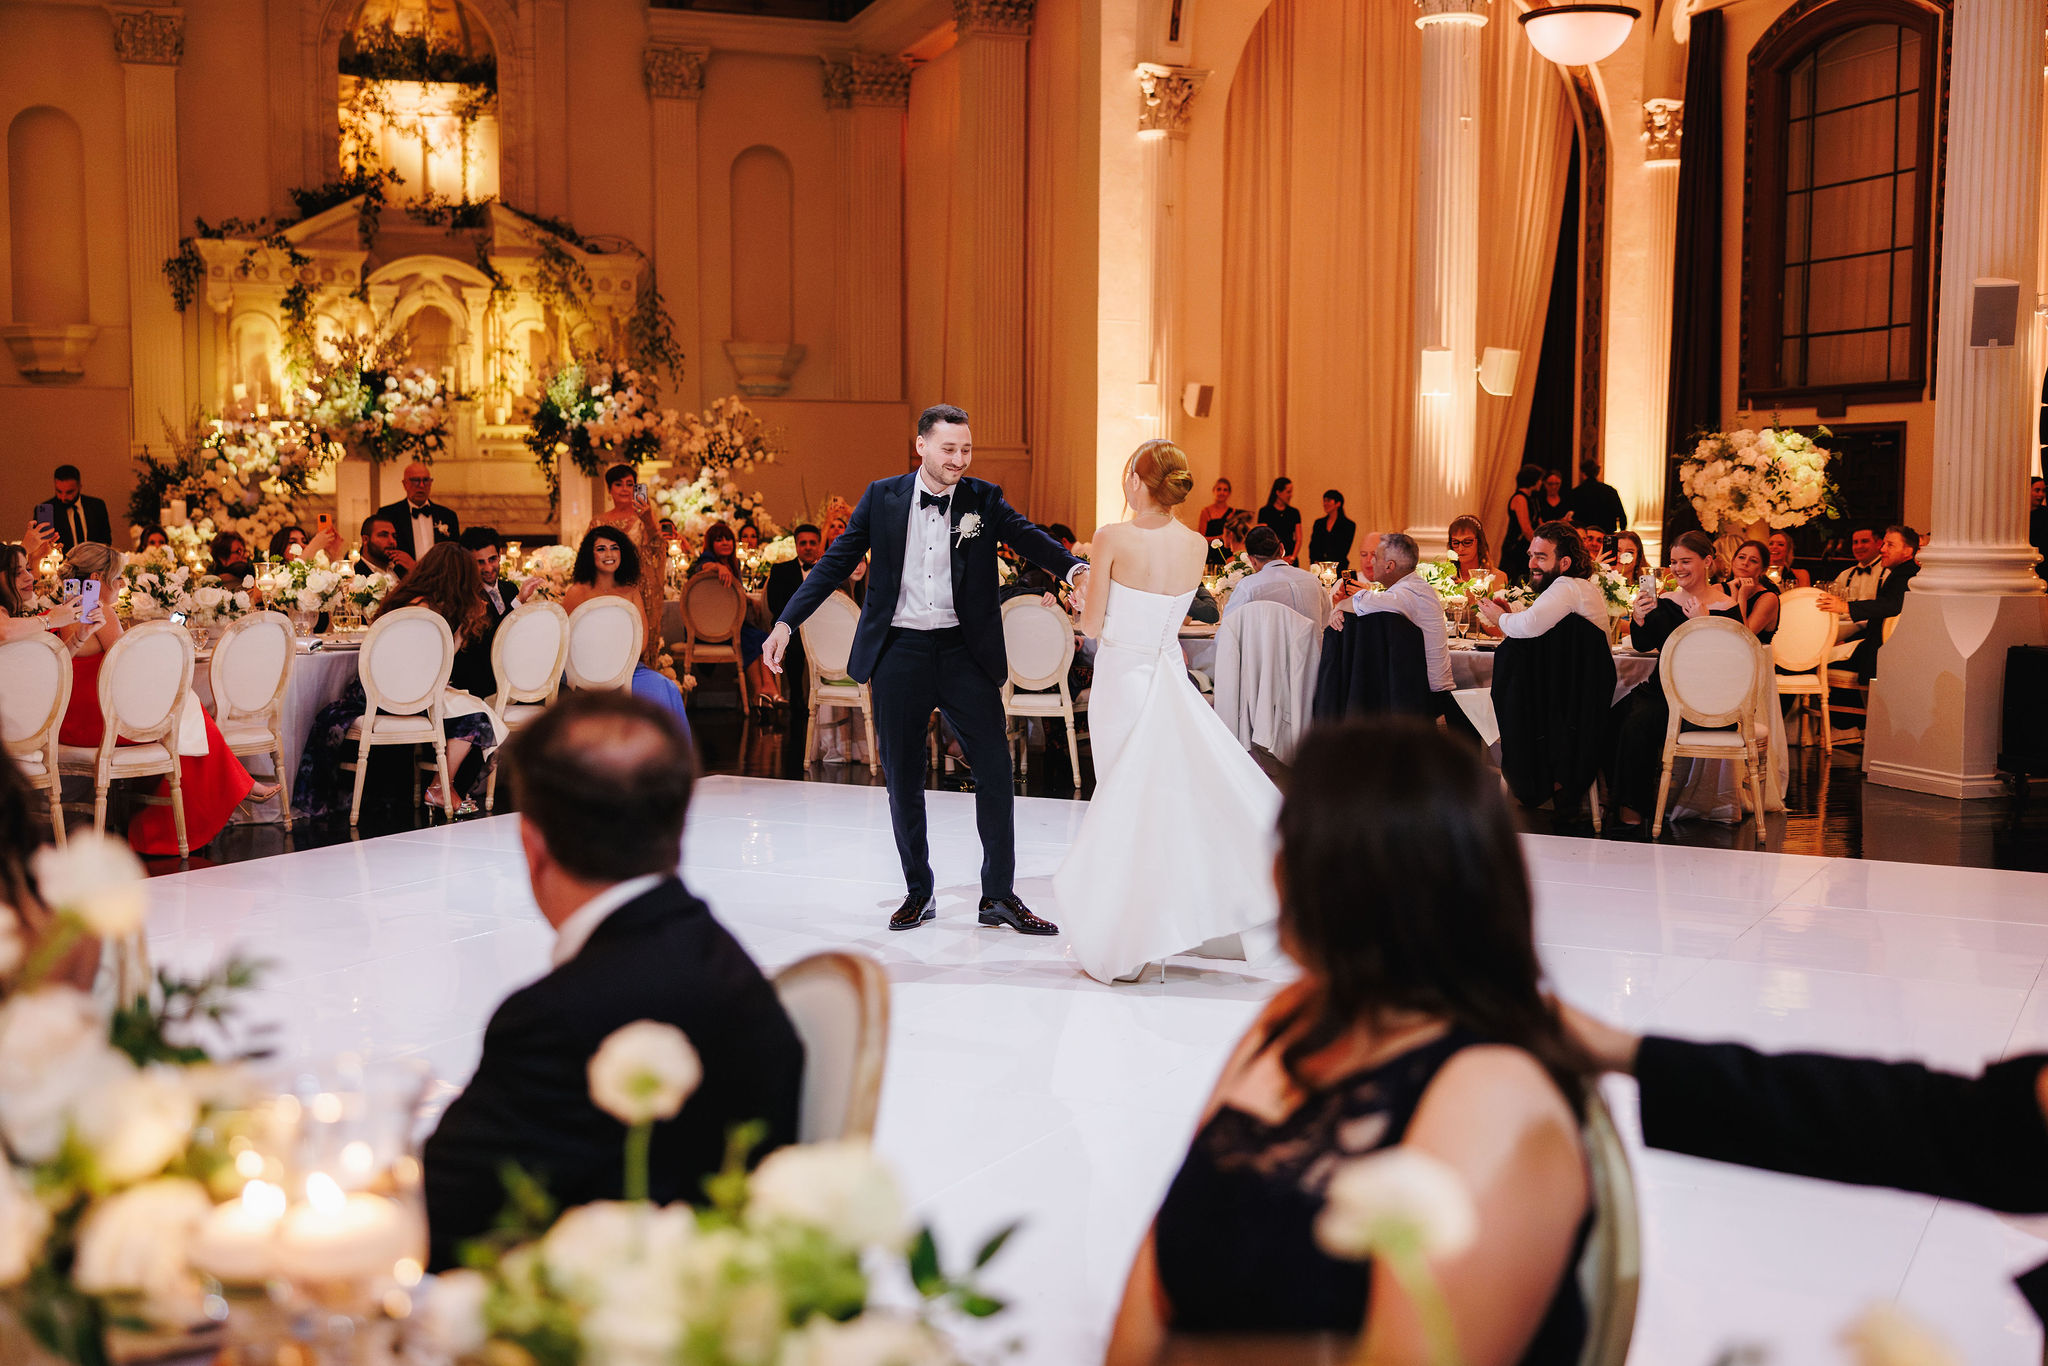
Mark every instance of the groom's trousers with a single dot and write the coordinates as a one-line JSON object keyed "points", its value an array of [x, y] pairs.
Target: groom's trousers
{"points": [[919, 672]]}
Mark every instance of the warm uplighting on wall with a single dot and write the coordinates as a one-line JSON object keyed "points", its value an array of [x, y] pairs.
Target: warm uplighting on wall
{"points": [[1437, 372], [1579, 35]]}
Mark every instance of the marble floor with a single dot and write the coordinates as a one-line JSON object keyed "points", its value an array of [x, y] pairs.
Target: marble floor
{"points": [[1018, 1088]]}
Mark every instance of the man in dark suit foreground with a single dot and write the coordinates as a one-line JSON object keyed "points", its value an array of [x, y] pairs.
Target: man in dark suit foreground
{"points": [[603, 781]]}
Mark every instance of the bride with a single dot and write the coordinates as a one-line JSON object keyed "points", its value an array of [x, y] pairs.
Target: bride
{"points": [[1176, 848]]}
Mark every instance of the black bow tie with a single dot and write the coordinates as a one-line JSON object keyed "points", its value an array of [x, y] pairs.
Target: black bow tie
{"points": [[933, 500]]}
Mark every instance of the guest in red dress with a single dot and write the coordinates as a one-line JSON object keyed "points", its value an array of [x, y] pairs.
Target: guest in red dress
{"points": [[213, 784]]}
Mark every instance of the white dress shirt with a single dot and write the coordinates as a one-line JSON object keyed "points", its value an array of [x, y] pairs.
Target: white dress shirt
{"points": [[575, 932], [1412, 597], [925, 600], [422, 530], [1859, 582], [1281, 582], [1560, 599]]}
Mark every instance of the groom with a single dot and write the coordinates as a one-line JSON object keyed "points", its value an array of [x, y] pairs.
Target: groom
{"points": [[931, 636]]}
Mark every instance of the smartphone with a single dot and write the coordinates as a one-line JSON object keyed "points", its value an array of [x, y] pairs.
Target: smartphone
{"points": [[88, 597], [326, 521], [46, 514], [639, 493], [1647, 581]]}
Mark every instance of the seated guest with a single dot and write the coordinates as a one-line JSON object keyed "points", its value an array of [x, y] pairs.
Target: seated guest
{"points": [[152, 536], [289, 543], [1897, 566], [1062, 533], [1329, 540], [1204, 609], [1593, 541], [1418, 1022], [721, 557], [1752, 590], [1237, 524], [788, 576], [231, 558], [1783, 571], [1409, 594], [17, 595], [1857, 583], [1644, 715], [473, 671], [603, 784], [608, 566], [1561, 574], [2037, 525], [750, 536], [1627, 557], [1474, 558], [380, 553], [1273, 578]]}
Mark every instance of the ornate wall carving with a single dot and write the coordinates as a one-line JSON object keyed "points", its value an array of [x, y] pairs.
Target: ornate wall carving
{"points": [[993, 16], [866, 78], [676, 73], [149, 36], [1663, 129], [1166, 98]]}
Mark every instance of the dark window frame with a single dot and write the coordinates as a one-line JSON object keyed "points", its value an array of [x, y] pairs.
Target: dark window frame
{"points": [[1797, 35]]}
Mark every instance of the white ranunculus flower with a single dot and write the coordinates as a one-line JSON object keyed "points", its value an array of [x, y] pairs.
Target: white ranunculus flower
{"points": [[589, 1244], [53, 1043], [135, 1242], [873, 1339], [24, 1223], [644, 1071], [1397, 1193], [137, 1120], [99, 880], [841, 1188], [321, 581], [1886, 1335], [455, 1312]]}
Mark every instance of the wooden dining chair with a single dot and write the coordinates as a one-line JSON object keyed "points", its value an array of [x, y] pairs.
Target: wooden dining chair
{"points": [[249, 674], [35, 691], [1039, 640], [713, 612]]}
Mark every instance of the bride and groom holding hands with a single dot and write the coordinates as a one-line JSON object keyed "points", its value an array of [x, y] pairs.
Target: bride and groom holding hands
{"points": [[1175, 849]]}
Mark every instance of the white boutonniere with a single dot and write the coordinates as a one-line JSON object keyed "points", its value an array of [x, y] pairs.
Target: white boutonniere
{"points": [[969, 528]]}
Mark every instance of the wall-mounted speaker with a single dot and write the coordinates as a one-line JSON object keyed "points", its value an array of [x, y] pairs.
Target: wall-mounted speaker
{"points": [[1994, 314], [1196, 399], [1498, 366]]}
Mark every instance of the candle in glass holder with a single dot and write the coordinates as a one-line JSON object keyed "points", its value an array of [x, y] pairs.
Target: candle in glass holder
{"points": [[339, 1236], [234, 1244]]}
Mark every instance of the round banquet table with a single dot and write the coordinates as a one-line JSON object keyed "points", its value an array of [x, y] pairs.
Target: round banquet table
{"points": [[319, 676]]}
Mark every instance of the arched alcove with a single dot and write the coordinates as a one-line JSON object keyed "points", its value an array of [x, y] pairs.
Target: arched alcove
{"points": [[46, 207], [763, 247]]}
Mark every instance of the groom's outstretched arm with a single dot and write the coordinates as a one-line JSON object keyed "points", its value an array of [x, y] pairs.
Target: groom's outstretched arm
{"points": [[1028, 539], [833, 568]]}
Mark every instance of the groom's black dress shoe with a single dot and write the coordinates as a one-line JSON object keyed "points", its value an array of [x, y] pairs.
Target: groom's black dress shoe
{"points": [[1008, 910], [917, 908]]}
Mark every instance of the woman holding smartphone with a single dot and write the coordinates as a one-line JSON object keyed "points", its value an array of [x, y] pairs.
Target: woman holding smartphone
{"points": [[632, 517]]}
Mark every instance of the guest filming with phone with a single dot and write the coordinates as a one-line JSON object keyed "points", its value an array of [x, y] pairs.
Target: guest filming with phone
{"points": [[631, 514]]}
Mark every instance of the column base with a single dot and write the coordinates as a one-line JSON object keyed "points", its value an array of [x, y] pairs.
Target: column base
{"points": [[1937, 704]]}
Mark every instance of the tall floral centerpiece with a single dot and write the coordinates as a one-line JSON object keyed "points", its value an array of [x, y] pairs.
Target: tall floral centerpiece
{"points": [[1745, 483], [373, 403], [239, 472], [713, 497], [593, 413]]}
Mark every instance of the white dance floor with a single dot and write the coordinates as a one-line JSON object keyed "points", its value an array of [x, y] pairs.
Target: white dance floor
{"points": [[1017, 1087]]}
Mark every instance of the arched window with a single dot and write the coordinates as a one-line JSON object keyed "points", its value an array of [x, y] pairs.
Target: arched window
{"points": [[1838, 282]]}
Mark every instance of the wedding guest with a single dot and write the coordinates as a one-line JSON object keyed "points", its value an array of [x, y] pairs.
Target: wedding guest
{"points": [[418, 522], [1280, 514], [77, 517], [22, 811], [212, 784], [602, 783], [2037, 526], [1561, 573], [1858, 583], [1595, 503], [288, 543], [380, 553], [1784, 571], [1274, 579], [721, 557], [1329, 541], [152, 536], [632, 516], [473, 672], [1355, 581], [1550, 504], [1237, 524], [1630, 560], [608, 566], [1407, 593], [1474, 558], [17, 594], [1210, 519], [446, 581], [1752, 590], [788, 576], [1418, 1022], [750, 536], [231, 557], [1897, 568], [1644, 715], [1593, 541], [1062, 533], [1522, 519], [1204, 608]]}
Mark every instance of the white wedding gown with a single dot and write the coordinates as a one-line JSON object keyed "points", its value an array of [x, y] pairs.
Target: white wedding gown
{"points": [[1177, 846]]}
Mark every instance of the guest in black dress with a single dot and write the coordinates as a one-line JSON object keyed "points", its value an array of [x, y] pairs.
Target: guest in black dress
{"points": [[1280, 514], [1750, 588], [1522, 523], [1644, 716], [1329, 540], [1551, 503], [1417, 1022]]}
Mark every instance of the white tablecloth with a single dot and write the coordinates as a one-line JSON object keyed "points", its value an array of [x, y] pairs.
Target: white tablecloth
{"points": [[318, 677]]}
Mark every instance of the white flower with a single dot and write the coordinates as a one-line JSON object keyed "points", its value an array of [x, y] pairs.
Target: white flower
{"points": [[136, 1120], [1396, 1195], [455, 1312], [1887, 1335], [590, 1244], [871, 1340], [643, 1072], [24, 1223], [53, 1044], [969, 528], [840, 1188], [637, 1323], [135, 1242], [97, 879]]}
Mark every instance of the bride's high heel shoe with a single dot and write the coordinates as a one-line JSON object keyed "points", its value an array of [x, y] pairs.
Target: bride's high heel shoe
{"points": [[1140, 973]]}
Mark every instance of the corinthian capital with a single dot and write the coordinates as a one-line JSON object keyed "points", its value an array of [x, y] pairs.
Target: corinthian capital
{"points": [[992, 16], [1166, 98], [148, 35], [1663, 128], [866, 78], [1451, 12], [676, 73]]}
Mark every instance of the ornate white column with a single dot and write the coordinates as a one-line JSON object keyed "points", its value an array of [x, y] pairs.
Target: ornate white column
{"points": [[1663, 128], [150, 40], [1446, 269], [675, 80], [985, 322], [1935, 710], [868, 95], [1166, 97]]}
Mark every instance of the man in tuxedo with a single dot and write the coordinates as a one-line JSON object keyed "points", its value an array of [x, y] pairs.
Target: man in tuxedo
{"points": [[380, 553], [1898, 566], [420, 521], [603, 782], [788, 576], [473, 673], [931, 636], [75, 516]]}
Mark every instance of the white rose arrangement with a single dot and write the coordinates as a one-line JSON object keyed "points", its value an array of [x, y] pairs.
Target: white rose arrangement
{"points": [[552, 565], [775, 1271], [1775, 476], [305, 585], [712, 497]]}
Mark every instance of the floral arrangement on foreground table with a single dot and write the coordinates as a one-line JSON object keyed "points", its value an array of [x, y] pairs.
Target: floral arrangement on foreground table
{"points": [[774, 1270], [1744, 479], [154, 586]]}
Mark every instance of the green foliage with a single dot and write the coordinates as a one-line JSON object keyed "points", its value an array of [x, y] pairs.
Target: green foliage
{"points": [[381, 53], [164, 1029]]}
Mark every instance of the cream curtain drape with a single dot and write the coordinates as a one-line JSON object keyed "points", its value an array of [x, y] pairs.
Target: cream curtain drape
{"points": [[1320, 138]]}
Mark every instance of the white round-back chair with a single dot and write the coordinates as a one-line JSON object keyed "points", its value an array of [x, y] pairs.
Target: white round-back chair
{"points": [[250, 670], [404, 666], [828, 646], [143, 686], [528, 655], [1714, 674], [606, 635], [1800, 650], [839, 1003], [1039, 640], [35, 690]]}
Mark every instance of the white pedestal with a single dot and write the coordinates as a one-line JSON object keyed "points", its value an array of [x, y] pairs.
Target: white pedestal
{"points": [[1937, 703], [578, 505]]}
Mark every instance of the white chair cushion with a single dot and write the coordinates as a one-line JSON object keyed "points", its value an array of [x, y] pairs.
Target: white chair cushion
{"points": [[517, 714], [1790, 685], [30, 764], [841, 694], [252, 734], [1035, 704], [129, 761], [397, 729], [1709, 739]]}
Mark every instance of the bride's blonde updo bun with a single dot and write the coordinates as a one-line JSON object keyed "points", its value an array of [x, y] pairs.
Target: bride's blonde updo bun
{"points": [[1162, 468]]}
